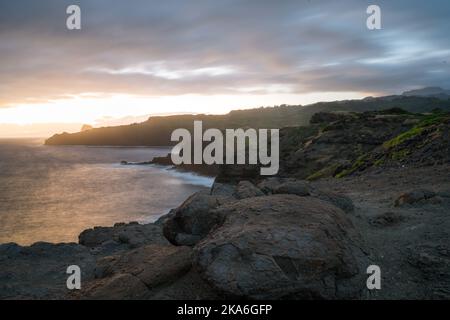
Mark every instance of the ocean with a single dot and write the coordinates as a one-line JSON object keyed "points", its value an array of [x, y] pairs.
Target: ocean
{"points": [[52, 193]]}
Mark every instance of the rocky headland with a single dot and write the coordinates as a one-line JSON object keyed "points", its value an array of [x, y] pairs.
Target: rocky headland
{"points": [[354, 189]]}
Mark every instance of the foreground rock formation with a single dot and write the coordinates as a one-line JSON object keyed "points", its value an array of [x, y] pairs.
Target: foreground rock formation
{"points": [[293, 239], [282, 246], [239, 243]]}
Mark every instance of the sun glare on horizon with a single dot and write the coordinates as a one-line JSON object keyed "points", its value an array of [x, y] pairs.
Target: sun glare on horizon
{"points": [[124, 109]]}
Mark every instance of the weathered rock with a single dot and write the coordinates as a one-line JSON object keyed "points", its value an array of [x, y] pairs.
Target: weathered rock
{"points": [[232, 173], [332, 140], [297, 187], [269, 185], [118, 287], [246, 189], [414, 197], [193, 219], [162, 219], [152, 264], [339, 200], [39, 271], [147, 268], [282, 246], [108, 240], [188, 287], [433, 262], [223, 189]]}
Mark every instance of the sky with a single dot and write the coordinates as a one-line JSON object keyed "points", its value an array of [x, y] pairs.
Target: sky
{"points": [[132, 59]]}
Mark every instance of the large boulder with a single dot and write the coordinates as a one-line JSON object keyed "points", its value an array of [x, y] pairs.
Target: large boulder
{"points": [[193, 220], [39, 271], [282, 246], [108, 240]]}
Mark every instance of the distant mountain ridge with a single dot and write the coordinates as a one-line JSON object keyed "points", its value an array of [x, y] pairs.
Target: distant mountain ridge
{"points": [[436, 92], [156, 131]]}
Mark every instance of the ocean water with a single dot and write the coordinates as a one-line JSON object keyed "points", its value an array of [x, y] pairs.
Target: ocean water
{"points": [[50, 193]]}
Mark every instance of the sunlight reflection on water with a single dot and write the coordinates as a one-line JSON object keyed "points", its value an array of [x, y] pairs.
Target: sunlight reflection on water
{"points": [[53, 193]]}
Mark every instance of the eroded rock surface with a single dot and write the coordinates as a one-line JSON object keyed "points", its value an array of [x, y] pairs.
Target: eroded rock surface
{"points": [[137, 273], [108, 240], [192, 221], [246, 189], [39, 271], [282, 246]]}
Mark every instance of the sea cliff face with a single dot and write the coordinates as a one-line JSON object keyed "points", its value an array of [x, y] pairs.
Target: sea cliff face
{"points": [[354, 190]]}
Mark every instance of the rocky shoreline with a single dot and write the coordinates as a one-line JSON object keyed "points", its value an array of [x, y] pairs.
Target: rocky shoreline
{"points": [[232, 242], [280, 238], [354, 190], [166, 161]]}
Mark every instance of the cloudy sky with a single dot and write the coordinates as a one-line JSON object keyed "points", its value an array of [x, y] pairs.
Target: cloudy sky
{"points": [[141, 57]]}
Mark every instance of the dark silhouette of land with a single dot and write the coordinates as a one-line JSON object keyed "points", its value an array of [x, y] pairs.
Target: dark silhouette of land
{"points": [[156, 131]]}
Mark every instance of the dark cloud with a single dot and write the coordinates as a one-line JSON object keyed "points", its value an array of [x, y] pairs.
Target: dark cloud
{"points": [[216, 47]]}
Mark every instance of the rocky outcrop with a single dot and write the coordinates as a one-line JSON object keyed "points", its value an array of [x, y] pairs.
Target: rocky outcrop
{"points": [[246, 189], [203, 169], [425, 143], [138, 273], [304, 188], [39, 271], [193, 220], [122, 286], [433, 262], [281, 246], [108, 240], [334, 141], [223, 190]]}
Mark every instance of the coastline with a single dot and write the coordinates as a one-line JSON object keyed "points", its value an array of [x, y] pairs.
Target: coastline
{"points": [[175, 250], [52, 194], [309, 233]]}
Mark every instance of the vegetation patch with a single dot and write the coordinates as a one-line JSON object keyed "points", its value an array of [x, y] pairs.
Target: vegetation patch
{"points": [[400, 155], [434, 118], [403, 137], [362, 160], [323, 173], [427, 121]]}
